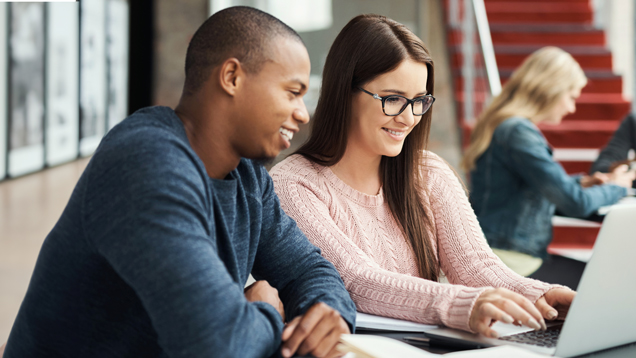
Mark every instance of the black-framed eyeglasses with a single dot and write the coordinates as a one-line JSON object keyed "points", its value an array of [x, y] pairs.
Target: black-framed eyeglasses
{"points": [[393, 105]]}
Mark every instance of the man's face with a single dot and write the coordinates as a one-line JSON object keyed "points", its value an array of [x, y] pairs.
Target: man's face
{"points": [[270, 103]]}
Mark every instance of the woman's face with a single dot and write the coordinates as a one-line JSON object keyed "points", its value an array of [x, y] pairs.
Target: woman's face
{"points": [[372, 132], [566, 104]]}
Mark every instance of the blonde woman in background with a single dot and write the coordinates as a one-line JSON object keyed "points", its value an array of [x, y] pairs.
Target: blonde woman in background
{"points": [[516, 183]]}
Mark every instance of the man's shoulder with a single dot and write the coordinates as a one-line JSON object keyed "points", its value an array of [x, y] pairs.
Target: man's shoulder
{"points": [[147, 124], [151, 131], [149, 145]]}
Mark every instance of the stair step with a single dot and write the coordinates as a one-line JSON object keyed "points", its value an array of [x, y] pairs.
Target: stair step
{"points": [[580, 134], [574, 232], [544, 35], [540, 12], [601, 98], [593, 106], [576, 167], [589, 57], [575, 154], [543, 28], [597, 81], [590, 106], [612, 84], [576, 161], [539, 38], [546, 38], [554, 6], [542, 1]]}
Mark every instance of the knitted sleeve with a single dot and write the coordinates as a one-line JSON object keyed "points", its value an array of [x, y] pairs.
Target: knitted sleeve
{"points": [[465, 257]]}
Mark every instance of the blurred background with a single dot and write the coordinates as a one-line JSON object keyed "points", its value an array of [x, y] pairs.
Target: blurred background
{"points": [[71, 71]]}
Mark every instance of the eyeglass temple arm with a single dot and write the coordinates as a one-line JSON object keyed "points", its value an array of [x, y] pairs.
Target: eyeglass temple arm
{"points": [[375, 95]]}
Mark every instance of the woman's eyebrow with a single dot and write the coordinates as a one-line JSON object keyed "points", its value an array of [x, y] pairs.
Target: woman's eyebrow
{"points": [[402, 93]]}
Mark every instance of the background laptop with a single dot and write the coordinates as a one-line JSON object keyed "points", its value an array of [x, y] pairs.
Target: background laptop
{"points": [[603, 314]]}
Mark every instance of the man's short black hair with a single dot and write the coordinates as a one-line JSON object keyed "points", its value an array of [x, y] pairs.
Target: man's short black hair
{"points": [[241, 32]]}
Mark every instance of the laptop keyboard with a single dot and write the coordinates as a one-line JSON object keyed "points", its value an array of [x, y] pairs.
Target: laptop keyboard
{"points": [[547, 338]]}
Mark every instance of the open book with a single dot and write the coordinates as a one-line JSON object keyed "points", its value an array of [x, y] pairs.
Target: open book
{"points": [[370, 346]]}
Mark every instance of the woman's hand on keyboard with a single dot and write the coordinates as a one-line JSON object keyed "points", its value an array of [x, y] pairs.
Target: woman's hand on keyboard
{"points": [[500, 304], [555, 303]]}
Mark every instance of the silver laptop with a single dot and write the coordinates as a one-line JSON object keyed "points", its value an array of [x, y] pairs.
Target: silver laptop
{"points": [[603, 313]]}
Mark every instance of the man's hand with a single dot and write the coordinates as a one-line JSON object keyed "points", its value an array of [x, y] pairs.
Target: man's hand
{"points": [[555, 303], [2, 350], [316, 332], [262, 291]]}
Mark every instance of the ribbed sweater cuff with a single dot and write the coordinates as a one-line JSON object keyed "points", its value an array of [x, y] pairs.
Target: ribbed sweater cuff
{"points": [[536, 292], [462, 306], [538, 289]]}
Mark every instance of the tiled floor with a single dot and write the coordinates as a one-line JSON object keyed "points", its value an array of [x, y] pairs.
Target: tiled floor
{"points": [[29, 207]]}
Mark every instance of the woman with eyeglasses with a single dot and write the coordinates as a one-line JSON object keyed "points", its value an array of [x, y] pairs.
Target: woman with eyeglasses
{"points": [[391, 216]]}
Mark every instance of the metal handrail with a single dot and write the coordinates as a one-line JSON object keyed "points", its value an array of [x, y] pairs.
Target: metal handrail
{"points": [[468, 65], [474, 12], [487, 48]]}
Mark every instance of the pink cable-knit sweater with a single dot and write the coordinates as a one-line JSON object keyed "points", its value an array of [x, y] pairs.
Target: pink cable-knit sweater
{"points": [[358, 234]]}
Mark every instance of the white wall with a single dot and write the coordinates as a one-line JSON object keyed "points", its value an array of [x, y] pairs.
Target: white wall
{"points": [[617, 18]]}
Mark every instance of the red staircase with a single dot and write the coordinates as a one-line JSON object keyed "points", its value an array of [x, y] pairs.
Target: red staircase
{"points": [[518, 28]]}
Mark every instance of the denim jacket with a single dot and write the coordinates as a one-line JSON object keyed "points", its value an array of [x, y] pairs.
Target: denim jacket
{"points": [[516, 186]]}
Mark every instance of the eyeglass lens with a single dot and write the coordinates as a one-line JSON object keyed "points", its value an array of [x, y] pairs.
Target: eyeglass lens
{"points": [[394, 105]]}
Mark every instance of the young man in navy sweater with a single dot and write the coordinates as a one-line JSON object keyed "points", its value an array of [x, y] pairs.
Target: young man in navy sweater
{"points": [[173, 212]]}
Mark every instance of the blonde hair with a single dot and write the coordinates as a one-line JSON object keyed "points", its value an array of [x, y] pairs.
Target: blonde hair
{"points": [[533, 89]]}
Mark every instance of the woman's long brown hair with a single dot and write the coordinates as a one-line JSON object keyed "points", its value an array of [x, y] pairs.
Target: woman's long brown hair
{"points": [[369, 46]]}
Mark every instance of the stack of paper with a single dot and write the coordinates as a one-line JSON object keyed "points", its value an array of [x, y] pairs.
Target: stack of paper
{"points": [[369, 321]]}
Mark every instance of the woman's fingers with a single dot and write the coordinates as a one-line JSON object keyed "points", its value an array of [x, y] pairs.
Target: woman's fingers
{"points": [[530, 308], [521, 309], [488, 314], [518, 313], [546, 310], [506, 306], [559, 299], [492, 312]]}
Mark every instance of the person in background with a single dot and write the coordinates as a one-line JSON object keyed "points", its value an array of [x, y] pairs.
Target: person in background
{"points": [[616, 152], [173, 212], [391, 216], [517, 184]]}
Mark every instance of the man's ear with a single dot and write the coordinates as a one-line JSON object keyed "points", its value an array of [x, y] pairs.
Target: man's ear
{"points": [[231, 76]]}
